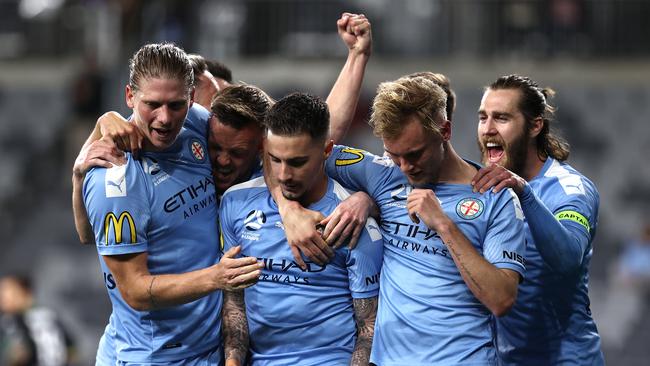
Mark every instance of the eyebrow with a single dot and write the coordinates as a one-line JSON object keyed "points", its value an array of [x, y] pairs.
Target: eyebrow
{"points": [[406, 153], [289, 159]]}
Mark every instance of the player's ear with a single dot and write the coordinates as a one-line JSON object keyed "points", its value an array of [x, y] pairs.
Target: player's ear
{"points": [[191, 96], [445, 130], [536, 127], [329, 145], [129, 94]]}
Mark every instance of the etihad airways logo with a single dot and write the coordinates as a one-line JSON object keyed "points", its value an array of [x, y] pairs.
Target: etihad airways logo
{"points": [[120, 231]]}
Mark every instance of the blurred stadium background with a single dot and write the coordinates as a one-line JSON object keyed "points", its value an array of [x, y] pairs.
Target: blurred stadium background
{"points": [[63, 63]]}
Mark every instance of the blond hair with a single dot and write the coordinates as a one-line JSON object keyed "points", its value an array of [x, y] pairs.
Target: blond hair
{"points": [[405, 97]]}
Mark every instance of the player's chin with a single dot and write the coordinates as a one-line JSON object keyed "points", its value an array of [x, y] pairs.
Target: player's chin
{"points": [[291, 194]]}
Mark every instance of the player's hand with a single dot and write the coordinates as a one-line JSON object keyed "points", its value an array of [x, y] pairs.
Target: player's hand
{"points": [[497, 178], [347, 221], [233, 273], [232, 362], [126, 135], [101, 153], [355, 31], [422, 204], [300, 227]]}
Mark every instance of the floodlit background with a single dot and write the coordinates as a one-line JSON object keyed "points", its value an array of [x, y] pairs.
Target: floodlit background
{"points": [[63, 63]]}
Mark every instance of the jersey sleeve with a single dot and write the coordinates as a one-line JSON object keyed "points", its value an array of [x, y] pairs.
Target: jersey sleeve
{"points": [[358, 170], [364, 262], [578, 211], [505, 242], [118, 206], [563, 231]]}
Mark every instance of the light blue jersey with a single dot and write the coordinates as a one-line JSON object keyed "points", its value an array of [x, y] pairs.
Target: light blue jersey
{"points": [[551, 323], [427, 315], [298, 317], [165, 205]]}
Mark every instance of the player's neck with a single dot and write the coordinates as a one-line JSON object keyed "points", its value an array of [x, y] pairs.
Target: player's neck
{"points": [[455, 169], [316, 192], [533, 165]]}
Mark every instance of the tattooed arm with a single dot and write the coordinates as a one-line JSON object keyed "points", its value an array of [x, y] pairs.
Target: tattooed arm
{"points": [[235, 328], [365, 313]]}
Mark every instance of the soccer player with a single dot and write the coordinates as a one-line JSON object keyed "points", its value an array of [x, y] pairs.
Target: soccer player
{"points": [[452, 257], [298, 316], [236, 133], [33, 335], [551, 323], [152, 218]]}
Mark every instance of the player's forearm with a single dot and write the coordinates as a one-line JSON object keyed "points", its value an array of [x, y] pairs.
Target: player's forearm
{"points": [[344, 96], [492, 286], [561, 247], [151, 292], [235, 327], [365, 314], [81, 223]]}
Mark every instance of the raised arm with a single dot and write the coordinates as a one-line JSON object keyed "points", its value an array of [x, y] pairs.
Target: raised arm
{"points": [[496, 288], [355, 32], [235, 328], [144, 291], [365, 313]]}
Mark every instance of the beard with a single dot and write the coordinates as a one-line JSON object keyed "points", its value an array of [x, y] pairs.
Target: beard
{"points": [[514, 153]]}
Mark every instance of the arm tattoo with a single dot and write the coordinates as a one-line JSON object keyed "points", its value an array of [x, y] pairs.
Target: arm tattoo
{"points": [[365, 313], [235, 325], [152, 298], [465, 270]]}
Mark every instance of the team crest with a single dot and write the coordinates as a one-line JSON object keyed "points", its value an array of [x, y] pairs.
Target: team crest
{"points": [[469, 208], [197, 150], [254, 220]]}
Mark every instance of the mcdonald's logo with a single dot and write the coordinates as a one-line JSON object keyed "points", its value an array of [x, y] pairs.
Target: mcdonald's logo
{"points": [[118, 223], [358, 153]]}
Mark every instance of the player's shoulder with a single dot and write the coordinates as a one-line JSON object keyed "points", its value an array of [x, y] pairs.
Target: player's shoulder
{"points": [[114, 179], [197, 118], [246, 191], [563, 179], [346, 156], [197, 112]]}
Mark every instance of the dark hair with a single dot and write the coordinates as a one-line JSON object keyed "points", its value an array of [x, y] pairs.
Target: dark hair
{"points": [[443, 82], [24, 281], [299, 113], [199, 65], [160, 60], [533, 104], [219, 70], [241, 105]]}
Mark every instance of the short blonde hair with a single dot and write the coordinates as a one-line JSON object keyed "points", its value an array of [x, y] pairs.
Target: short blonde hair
{"points": [[407, 96]]}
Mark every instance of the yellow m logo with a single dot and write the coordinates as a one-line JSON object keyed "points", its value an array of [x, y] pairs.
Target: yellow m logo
{"points": [[358, 153], [118, 222]]}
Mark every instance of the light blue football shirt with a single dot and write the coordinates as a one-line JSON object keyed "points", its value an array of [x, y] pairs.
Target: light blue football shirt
{"points": [[427, 315], [551, 322], [163, 204], [298, 317]]}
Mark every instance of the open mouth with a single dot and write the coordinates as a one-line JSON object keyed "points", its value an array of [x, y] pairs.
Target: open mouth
{"points": [[223, 173], [162, 134], [494, 152]]}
